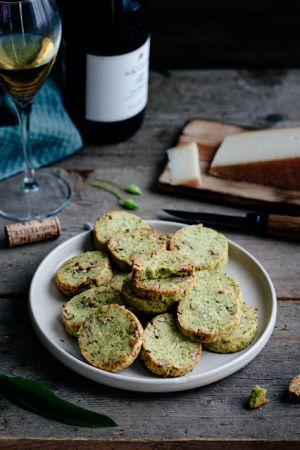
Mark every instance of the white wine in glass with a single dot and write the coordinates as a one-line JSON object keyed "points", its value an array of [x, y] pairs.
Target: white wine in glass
{"points": [[30, 34]]}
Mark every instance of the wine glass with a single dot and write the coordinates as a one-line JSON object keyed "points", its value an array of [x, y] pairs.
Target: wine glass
{"points": [[30, 34]]}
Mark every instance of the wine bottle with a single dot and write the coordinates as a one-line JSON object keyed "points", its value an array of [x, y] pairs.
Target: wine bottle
{"points": [[107, 67]]}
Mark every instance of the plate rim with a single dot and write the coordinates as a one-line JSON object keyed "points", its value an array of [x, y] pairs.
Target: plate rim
{"points": [[155, 384]]}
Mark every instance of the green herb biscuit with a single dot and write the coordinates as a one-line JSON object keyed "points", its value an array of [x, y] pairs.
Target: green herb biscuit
{"points": [[114, 222], [210, 309], [123, 247], [76, 311], [240, 336], [165, 351], [117, 281], [200, 274], [142, 304], [164, 289], [83, 272], [206, 247], [111, 338], [162, 265]]}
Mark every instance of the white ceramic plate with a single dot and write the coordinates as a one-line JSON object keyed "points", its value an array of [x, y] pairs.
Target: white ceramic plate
{"points": [[46, 302]]}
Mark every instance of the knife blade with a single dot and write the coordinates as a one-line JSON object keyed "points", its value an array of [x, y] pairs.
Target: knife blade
{"points": [[276, 225]]}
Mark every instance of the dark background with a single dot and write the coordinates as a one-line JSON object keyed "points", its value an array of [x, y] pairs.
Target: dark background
{"points": [[228, 33], [220, 33]]}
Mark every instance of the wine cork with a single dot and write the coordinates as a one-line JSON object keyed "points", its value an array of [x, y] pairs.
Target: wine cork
{"points": [[33, 231]]}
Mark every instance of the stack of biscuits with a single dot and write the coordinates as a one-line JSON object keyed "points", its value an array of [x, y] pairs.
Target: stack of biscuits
{"points": [[141, 293]]}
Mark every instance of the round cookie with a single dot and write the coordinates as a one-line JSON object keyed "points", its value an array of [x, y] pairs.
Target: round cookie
{"points": [[114, 222], [142, 304], [206, 247], [117, 281], [210, 309], [200, 274], [83, 272], [172, 289], [240, 336], [165, 351], [123, 247], [76, 311], [111, 338], [162, 265]]}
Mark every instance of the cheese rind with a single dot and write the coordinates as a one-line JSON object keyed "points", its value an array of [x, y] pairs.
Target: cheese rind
{"points": [[184, 165], [270, 157]]}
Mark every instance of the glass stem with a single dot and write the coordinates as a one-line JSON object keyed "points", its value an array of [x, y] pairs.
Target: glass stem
{"points": [[29, 182]]}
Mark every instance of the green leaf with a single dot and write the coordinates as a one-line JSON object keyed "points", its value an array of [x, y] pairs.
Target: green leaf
{"points": [[34, 396]]}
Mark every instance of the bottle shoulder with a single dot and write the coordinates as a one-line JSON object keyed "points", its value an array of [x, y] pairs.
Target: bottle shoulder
{"points": [[118, 50]]}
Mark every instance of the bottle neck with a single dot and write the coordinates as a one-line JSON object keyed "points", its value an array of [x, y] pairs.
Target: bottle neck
{"points": [[108, 27]]}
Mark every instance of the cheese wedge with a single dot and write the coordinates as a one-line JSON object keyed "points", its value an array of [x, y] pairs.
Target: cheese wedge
{"points": [[184, 165], [270, 157]]}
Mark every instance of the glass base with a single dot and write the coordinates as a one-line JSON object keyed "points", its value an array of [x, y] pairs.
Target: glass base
{"points": [[52, 195]]}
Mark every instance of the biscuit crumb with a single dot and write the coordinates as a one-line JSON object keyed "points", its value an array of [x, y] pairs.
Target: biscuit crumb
{"points": [[258, 397], [294, 389]]}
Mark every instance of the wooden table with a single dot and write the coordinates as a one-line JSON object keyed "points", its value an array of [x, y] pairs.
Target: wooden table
{"points": [[211, 417]]}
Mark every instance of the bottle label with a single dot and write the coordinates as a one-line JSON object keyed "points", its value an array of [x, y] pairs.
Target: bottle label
{"points": [[117, 86]]}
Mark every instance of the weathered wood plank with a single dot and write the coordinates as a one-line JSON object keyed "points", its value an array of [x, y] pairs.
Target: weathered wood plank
{"points": [[215, 411], [183, 444]]}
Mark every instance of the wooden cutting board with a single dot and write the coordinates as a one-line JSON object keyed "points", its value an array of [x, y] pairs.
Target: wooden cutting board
{"points": [[208, 135]]}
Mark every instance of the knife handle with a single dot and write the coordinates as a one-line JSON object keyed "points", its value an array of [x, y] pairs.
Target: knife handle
{"points": [[287, 227]]}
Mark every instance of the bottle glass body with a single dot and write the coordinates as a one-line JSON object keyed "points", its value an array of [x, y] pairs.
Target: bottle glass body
{"points": [[107, 68]]}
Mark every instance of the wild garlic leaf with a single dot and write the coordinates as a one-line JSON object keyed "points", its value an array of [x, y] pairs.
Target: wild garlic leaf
{"points": [[36, 397]]}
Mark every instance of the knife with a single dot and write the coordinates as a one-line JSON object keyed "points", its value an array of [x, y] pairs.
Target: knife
{"points": [[276, 225]]}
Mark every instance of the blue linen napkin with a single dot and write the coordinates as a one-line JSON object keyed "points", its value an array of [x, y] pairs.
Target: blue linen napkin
{"points": [[53, 135]]}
